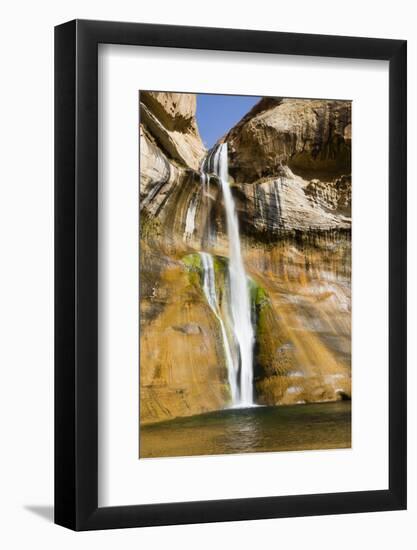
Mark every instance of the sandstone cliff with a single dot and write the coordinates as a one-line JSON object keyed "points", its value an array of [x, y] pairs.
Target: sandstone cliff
{"points": [[169, 120], [311, 137], [290, 166]]}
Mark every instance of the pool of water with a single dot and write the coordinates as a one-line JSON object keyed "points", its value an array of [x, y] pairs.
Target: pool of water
{"points": [[256, 429]]}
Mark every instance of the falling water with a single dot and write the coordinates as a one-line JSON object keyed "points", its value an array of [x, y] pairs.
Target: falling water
{"points": [[240, 306], [209, 287], [190, 220]]}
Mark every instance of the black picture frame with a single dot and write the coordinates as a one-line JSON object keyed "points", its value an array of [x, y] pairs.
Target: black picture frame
{"points": [[76, 272]]}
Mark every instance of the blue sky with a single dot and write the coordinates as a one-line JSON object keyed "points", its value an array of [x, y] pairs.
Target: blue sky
{"points": [[216, 114]]}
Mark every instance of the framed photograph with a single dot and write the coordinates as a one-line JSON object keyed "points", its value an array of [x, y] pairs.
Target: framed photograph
{"points": [[230, 335]]}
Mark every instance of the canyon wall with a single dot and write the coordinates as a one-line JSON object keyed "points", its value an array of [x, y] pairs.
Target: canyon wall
{"points": [[289, 162]]}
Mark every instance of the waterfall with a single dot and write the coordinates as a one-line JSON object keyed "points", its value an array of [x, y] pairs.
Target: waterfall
{"points": [[240, 305], [209, 287], [190, 220]]}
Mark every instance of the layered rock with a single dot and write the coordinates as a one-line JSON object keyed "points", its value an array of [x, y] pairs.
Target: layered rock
{"points": [[174, 316], [286, 203], [171, 152], [310, 136], [169, 119], [182, 367], [303, 320], [290, 167]]}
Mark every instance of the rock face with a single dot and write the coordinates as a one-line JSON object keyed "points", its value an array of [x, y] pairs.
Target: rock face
{"points": [[290, 160], [290, 165], [287, 203], [169, 119], [304, 320], [311, 137], [175, 319]]}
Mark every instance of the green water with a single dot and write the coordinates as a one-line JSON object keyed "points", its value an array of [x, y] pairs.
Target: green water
{"points": [[257, 429]]}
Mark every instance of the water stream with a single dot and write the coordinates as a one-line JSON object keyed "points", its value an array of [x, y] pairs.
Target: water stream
{"points": [[209, 287], [241, 366]]}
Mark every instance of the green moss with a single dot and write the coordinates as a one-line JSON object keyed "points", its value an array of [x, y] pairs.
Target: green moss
{"points": [[258, 294], [264, 314], [195, 269], [193, 262], [263, 321], [194, 265], [220, 264]]}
